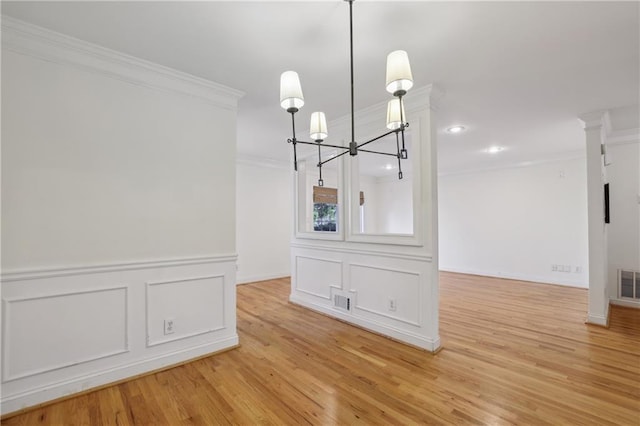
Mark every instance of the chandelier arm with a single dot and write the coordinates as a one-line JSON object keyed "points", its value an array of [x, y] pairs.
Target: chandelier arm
{"points": [[376, 138], [378, 152], [334, 157], [318, 143]]}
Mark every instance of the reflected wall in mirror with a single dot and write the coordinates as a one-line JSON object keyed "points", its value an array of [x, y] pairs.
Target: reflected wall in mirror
{"points": [[386, 202], [318, 205]]}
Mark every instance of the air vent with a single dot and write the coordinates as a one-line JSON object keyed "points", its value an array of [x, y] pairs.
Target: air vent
{"points": [[341, 302], [629, 284]]}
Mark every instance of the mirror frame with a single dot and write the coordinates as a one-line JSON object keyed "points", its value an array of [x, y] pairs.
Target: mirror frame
{"points": [[416, 158], [319, 235]]}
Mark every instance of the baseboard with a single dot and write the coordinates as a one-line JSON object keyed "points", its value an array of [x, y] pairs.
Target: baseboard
{"points": [[600, 320], [402, 336], [514, 276], [34, 397], [246, 279], [626, 303]]}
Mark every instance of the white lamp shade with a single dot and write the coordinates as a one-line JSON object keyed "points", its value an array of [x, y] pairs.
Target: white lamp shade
{"points": [[290, 90], [399, 75], [318, 126], [393, 114]]}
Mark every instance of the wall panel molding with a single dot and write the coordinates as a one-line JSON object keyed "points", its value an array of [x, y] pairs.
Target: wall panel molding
{"points": [[393, 316], [7, 335], [336, 280], [180, 283]]}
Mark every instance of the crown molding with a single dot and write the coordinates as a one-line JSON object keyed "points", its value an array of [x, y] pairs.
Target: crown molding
{"points": [[595, 119], [623, 137], [560, 156], [256, 161], [28, 39]]}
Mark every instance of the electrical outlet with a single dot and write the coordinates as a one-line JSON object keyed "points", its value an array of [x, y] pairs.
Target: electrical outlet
{"points": [[169, 326], [392, 304], [578, 269], [554, 268]]}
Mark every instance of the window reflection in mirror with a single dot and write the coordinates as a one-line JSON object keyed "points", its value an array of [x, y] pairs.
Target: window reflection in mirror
{"points": [[318, 205], [386, 202]]}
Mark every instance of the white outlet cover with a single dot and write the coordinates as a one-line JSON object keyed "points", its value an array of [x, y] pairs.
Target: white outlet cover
{"points": [[169, 326]]}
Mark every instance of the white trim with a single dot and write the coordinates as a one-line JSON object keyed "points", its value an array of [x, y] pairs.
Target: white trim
{"points": [[249, 279], [401, 271], [406, 256], [623, 137], [51, 391], [430, 344], [257, 161], [5, 333], [561, 156], [182, 280], [28, 39], [597, 320], [384, 314], [629, 303], [32, 274]]}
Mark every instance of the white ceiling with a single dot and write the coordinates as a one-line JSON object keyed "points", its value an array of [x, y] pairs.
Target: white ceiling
{"points": [[515, 74]]}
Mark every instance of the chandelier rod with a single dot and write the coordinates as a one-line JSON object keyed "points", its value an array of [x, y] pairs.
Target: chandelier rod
{"points": [[353, 131]]}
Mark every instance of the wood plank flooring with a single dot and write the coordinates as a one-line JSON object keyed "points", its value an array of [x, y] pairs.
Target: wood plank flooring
{"points": [[514, 353]]}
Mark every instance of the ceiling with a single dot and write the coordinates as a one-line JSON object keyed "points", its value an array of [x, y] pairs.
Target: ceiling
{"points": [[515, 74]]}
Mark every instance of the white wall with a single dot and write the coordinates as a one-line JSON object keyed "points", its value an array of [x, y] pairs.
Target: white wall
{"points": [[118, 213], [623, 175], [516, 222], [264, 220]]}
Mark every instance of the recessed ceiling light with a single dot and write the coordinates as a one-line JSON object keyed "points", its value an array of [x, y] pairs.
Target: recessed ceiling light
{"points": [[455, 129], [495, 149], [388, 167]]}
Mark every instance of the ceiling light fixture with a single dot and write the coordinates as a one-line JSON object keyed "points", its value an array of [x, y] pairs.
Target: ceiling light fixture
{"points": [[495, 149], [456, 129], [398, 81]]}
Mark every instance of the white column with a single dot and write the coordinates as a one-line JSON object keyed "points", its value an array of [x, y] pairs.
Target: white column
{"points": [[598, 309]]}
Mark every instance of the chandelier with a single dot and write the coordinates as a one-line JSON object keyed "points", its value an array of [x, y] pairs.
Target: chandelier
{"points": [[398, 81]]}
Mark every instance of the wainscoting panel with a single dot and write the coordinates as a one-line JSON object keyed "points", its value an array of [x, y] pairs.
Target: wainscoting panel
{"points": [[67, 330], [315, 275], [45, 333], [386, 292], [390, 293], [194, 305]]}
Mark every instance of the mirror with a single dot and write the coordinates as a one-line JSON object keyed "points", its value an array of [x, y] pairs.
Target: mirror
{"points": [[386, 203]]}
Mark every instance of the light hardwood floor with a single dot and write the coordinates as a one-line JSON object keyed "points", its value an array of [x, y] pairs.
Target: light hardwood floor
{"points": [[514, 352]]}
